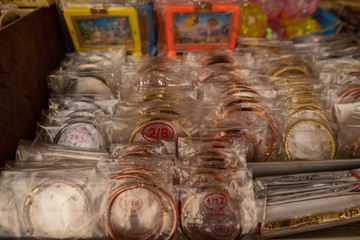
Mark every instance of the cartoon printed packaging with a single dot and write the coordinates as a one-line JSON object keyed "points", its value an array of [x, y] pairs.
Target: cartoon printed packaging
{"points": [[185, 26]]}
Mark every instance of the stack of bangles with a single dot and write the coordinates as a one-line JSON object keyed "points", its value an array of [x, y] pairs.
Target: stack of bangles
{"points": [[242, 114], [45, 206], [211, 210], [160, 116], [350, 95], [155, 73], [139, 206], [308, 134]]}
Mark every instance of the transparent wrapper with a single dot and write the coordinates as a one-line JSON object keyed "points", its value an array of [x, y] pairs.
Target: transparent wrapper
{"points": [[310, 215], [140, 193], [348, 119], [335, 49], [78, 133], [284, 189], [202, 152], [152, 74], [48, 164], [216, 211], [98, 83], [208, 58], [286, 66], [54, 117], [173, 102], [249, 138], [309, 139], [349, 93], [67, 110], [222, 74], [249, 116], [138, 129], [339, 70], [55, 203], [106, 106], [94, 60], [143, 149], [31, 151], [236, 89]]}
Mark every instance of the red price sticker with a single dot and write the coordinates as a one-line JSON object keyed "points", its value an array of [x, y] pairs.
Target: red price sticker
{"points": [[158, 131], [215, 201]]}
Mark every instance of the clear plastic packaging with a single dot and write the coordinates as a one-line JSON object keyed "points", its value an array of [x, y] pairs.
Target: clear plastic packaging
{"points": [[34, 151], [54, 203]]}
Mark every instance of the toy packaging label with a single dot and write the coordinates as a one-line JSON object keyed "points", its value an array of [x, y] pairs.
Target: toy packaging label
{"points": [[117, 27], [202, 28], [103, 31], [187, 29]]}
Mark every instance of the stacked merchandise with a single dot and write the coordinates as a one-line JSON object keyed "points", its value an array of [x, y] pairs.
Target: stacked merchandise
{"points": [[106, 160], [158, 147], [309, 201]]}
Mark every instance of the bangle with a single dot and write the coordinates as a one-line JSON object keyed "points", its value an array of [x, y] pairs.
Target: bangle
{"points": [[307, 221], [211, 214], [290, 68], [292, 79], [347, 94], [296, 106], [80, 86], [129, 210], [163, 109], [166, 224], [206, 178], [330, 141], [159, 96], [230, 77], [80, 134], [318, 113], [252, 102], [272, 125], [60, 185], [237, 133]]}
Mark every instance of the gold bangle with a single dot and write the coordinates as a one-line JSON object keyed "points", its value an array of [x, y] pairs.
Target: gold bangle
{"points": [[285, 69], [296, 114], [289, 80], [296, 106], [307, 221], [158, 120], [322, 126]]}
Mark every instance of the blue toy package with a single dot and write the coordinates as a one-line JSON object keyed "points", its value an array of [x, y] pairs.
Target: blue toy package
{"points": [[326, 20], [147, 29]]}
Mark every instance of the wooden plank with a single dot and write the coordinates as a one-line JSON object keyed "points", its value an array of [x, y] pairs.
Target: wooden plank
{"points": [[29, 49]]}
